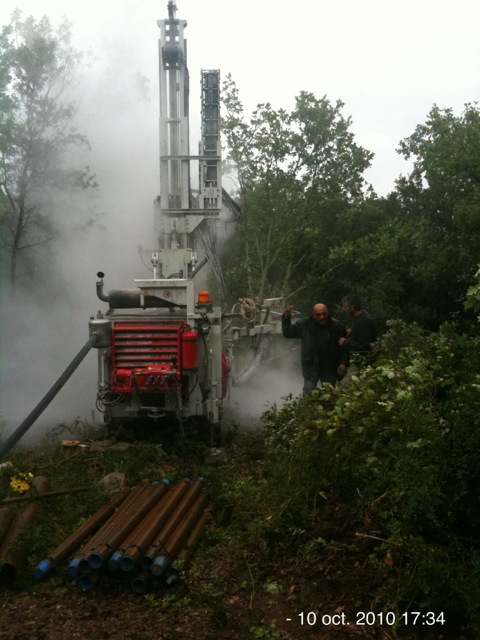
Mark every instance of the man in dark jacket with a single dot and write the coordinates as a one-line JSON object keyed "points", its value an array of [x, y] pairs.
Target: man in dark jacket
{"points": [[323, 359], [359, 344]]}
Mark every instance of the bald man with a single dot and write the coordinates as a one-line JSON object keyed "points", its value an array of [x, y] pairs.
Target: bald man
{"points": [[322, 357]]}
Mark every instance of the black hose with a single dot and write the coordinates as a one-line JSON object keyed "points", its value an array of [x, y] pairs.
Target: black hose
{"points": [[199, 266], [41, 406]]}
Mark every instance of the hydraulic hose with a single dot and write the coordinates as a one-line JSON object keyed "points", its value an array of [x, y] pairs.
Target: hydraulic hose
{"points": [[257, 360], [12, 440]]}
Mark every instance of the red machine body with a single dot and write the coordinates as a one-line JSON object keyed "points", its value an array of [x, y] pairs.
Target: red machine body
{"points": [[151, 357]]}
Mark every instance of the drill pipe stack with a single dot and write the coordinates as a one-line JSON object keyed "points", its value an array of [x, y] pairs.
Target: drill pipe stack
{"points": [[72, 542], [138, 537], [13, 549]]}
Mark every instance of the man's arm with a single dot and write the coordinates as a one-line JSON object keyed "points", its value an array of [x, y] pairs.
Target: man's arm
{"points": [[364, 333], [289, 330], [342, 335]]}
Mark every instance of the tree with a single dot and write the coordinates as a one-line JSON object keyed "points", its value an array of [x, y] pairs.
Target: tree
{"points": [[294, 172], [37, 65], [443, 194], [446, 154], [423, 254]]}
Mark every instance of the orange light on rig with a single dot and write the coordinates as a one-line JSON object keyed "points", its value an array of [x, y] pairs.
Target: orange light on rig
{"points": [[203, 297]]}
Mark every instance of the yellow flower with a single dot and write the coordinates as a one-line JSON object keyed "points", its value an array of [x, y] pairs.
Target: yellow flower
{"points": [[20, 483]]}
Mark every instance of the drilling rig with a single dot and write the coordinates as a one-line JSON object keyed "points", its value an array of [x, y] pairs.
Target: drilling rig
{"points": [[166, 350]]}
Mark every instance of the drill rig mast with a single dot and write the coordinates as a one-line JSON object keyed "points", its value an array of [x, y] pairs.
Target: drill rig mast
{"points": [[178, 214], [183, 222]]}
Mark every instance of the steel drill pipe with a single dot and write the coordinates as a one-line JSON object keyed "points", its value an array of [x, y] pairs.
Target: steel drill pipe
{"points": [[171, 524], [133, 516], [86, 582], [174, 543], [64, 549], [145, 580], [141, 582], [190, 543], [138, 495], [171, 576], [12, 551], [12, 440], [7, 514], [81, 562], [114, 560], [140, 544], [89, 546]]}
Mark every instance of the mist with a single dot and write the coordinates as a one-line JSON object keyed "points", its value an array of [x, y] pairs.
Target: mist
{"points": [[46, 325], [279, 377]]}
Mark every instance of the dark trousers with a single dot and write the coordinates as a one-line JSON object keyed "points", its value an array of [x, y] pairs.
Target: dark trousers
{"points": [[309, 384]]}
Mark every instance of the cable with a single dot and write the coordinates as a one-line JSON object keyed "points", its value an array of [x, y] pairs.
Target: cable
{"points": [[205, 234], [248, 309], [102, 399]]}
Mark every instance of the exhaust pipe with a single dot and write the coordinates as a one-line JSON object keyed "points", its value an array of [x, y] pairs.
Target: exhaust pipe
{"points": [[100, 293], [129, 298]]}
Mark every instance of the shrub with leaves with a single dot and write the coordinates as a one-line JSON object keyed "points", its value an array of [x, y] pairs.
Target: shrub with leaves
{"points": [[400, 444]]}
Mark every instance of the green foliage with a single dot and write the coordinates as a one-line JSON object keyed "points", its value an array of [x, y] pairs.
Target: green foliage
{"points": [[294, 173], [398, 447], [473, 295], [446, 153], [420, 258], [311, 229], [265, 632], [400, 444]]}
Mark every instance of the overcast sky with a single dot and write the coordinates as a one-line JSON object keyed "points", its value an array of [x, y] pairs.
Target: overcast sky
{"points": [[388, 61]]}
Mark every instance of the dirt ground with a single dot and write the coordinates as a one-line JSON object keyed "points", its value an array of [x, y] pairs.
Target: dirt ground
{"points": [[226, 593], [47, 613], [316, 598]]}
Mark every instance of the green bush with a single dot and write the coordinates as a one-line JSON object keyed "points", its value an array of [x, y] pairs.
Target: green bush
{"points": [[400, 444]]}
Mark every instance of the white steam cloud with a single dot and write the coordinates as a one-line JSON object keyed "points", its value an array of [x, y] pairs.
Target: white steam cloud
{"points": [[279, 377], [41, 334]]}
